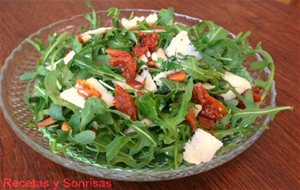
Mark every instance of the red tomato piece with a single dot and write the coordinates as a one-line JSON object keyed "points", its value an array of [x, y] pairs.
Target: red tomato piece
{"points": [[212, 111], [206, 123], [191, 119], [125, 103], [211, 107], [149, 40], [123, 60], [139, 50], [256, 94], [117, 53], [200, 95], [135, 84]]}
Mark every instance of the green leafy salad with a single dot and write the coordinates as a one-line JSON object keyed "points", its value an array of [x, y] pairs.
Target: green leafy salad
{"points": [[147, 92]]}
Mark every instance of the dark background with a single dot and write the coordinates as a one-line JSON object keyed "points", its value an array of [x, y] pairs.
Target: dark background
{"points": [[271, 163]]}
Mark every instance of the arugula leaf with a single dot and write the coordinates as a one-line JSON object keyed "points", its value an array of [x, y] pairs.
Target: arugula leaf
{"points": [[147, 107], [85, 137], [124, 158], [113, 148], [121, 40], [115, 14], [53, 91], [245, 117], [200, 38], [166, 37], [58, 42], [169, 124], [29, 75], [196, 69], [165, 17], [74, 121], [93, 107], [38, 44], [92, 18], [76, 45], [136, 125], [55, 111], [173, 86], [65, 76], [101, 70], [40, 70], [266, 62], [139, 144]]}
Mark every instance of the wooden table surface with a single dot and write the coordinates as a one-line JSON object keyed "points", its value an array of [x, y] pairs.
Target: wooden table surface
{"points": [[271, 163]]}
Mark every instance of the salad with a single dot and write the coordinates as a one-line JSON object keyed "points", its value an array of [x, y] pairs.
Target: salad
{"points": [[147, 92]]}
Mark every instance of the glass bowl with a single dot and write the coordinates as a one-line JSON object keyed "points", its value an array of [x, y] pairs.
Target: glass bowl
{"points": [[23, 59]]}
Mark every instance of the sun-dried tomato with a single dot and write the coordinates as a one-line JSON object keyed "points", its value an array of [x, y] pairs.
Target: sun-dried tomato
{"points": [[212, 111], [139, 50], [129, 70], [206, 123], [117, 53], [256, 93], [135, 84], [200, 95], [191, 119], [149, 40], [125, 103], [211, 107], [125, 61]]}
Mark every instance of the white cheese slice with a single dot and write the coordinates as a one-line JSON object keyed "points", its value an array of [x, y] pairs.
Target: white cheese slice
{"points": [[144, 58], [150, 84], [146, 121], [97, 31], [239, 83], [133, 23], [201, 148], [129, 131], [151, 19], [159, 53], [181, 45], [143, 72], [106, 96], [148, 54], [66, 60], [71, 95], [86, 36]]}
